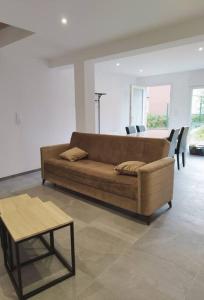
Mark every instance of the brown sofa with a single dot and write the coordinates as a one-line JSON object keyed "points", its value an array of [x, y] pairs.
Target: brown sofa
{"points": [[95, 175]]}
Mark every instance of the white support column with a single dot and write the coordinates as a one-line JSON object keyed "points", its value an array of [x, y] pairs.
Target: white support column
{"points": [[79, 96], [84, 96]]}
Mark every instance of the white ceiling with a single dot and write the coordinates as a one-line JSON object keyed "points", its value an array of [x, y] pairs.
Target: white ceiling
{"points": [[177, 59], [90, 22]]}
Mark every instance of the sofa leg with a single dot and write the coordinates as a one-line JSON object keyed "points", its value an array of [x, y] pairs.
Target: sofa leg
{"points": [[170, 204], [43, 181], [148, 220]]}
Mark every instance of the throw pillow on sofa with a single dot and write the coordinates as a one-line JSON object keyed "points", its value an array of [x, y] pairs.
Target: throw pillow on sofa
{"points": [[129, 167], [74, 154]]}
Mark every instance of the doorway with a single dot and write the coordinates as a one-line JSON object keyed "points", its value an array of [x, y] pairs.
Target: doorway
{"points": [[158, 103], [150, 106], [197, 117], [137, 105]]}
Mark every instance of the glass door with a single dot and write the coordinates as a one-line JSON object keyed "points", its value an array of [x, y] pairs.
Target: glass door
{"points": [[158, 104], [137, 105]]}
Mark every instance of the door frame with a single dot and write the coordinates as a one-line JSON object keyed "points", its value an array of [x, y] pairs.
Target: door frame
{"points": [[143, 102], [170, 102]]}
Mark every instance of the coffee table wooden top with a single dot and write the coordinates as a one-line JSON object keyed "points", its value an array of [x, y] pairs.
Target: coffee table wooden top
{"points": [[25, 217]]}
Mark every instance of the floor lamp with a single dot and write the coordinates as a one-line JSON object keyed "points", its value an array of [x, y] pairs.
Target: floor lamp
{"points": [[99, 95]]}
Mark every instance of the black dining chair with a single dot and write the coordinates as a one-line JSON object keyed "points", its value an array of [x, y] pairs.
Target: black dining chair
{"points": [[140, 128], [130, 129], [181, 145], [173, 139]]}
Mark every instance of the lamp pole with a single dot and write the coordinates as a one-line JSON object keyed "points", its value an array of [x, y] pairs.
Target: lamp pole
{"points": [[99, 95]]}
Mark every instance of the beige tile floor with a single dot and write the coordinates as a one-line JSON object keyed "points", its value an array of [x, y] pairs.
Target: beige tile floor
{"points": [[117, 257]]}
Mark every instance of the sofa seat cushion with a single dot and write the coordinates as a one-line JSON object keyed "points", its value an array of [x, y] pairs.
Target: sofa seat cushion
{"points": [[96, 174]]}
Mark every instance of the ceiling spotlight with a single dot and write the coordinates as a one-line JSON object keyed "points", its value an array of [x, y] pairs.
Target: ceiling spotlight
{"points": [[64, 21], [200, 49], [117, 64], [140, 70]]}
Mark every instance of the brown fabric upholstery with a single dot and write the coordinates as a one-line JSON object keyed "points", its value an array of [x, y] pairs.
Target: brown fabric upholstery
{"points": [[114, 149], [51, 152], [129, 167], [96, 177], [110, 198], [99, 175], [74, 154], [155, 185]]}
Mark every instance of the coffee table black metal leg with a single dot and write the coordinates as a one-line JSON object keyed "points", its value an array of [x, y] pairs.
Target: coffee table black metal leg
{"points": [[72, 247], [10, 251], [18, 268], [4, 242], [52, 243], [1, 234]]}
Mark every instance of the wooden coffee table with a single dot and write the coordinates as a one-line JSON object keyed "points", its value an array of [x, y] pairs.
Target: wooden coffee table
{"points": [[24, 218]]}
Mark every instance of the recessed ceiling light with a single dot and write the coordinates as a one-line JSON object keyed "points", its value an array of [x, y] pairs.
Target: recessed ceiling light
{"points": [[64, 21], [200, 49], [117, 64], [140, 70]]}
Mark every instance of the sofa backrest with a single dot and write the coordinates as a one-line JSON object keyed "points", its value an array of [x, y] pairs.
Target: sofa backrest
{"points": [[115, 149]]}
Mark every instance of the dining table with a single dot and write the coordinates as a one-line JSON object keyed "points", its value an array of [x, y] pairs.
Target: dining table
{"points": [[153, 133]]}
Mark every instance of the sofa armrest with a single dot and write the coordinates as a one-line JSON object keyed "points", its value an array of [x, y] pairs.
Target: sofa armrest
{"points": [[155, 182], [51, 152]]}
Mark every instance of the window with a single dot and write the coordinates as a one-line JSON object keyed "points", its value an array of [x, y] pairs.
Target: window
{"points": [[197, 117], [157, 107]]}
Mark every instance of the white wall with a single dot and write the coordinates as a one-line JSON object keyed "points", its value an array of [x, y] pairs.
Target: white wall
{"points": [[165, 37], [115, 105], [44, 100], [182, 84]]}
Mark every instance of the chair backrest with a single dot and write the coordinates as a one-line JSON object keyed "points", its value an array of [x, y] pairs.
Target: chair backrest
{"points": [[171, 135], [182, 139], [173, 139], [130, 129], [140, 128]]}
